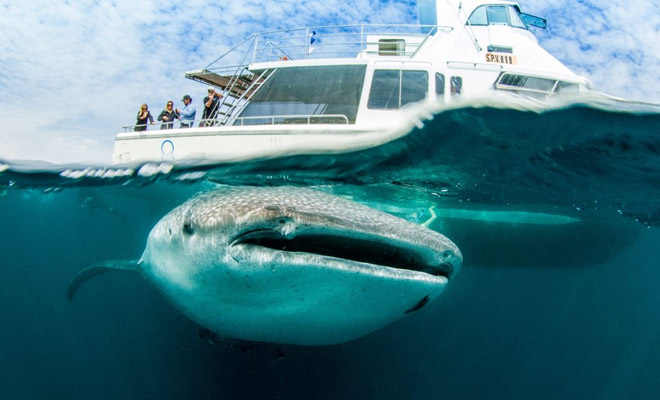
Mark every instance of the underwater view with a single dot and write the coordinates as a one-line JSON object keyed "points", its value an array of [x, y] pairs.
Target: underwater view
{"points": [[555, 210]]}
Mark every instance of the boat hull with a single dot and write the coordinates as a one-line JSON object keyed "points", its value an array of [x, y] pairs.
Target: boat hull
{"points": [[210, 145]]}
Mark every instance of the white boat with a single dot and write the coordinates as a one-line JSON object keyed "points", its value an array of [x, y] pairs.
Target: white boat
{"points": [[333, 89]]}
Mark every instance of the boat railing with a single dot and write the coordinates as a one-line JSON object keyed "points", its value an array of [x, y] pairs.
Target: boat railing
{"points": [[292, 120], [343, 41], [245, 121], [332, 41]]}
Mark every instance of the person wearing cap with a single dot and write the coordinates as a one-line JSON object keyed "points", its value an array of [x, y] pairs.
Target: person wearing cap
{"points": [[187, 113], [211, 105]]}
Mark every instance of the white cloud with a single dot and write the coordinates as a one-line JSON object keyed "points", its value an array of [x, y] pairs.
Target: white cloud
{"points": [[72, 73], [614, 43]]}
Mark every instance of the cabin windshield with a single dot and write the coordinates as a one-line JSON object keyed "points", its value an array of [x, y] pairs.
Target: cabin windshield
{"points": [[498, 15], [333, 91]]}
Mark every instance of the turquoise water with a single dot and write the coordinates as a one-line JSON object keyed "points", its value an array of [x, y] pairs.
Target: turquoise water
{"points": [[556, 214]]}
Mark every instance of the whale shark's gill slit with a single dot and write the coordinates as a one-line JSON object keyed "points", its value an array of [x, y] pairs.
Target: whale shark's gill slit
{"points": [[344, 247]]}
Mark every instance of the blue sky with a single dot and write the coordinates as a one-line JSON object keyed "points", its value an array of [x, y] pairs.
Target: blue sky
{"points": [[73, 72]]}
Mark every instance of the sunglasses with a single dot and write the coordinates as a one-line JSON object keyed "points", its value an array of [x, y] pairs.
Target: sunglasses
{"points": [[170, 104]]}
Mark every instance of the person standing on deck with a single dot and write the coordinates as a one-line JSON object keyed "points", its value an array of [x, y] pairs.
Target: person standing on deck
{"points": [[167, 116], [187, 114], [143, 117], [211, 105]]}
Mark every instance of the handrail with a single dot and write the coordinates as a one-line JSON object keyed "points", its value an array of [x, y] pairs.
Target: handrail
{"points": [[258, 79], [307, 117], [349, 26], [342, 34], [296, 41], [336, 41], [212, 122], [292, 46], [271, 46], [224, 101], [429, 34], [253, 37]]}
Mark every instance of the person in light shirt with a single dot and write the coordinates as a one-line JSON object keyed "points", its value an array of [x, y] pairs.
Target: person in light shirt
{"points": [[187, 113]]}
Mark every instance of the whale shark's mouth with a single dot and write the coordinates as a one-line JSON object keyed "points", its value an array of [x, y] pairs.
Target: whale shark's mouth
{"points": [[352, 247]]}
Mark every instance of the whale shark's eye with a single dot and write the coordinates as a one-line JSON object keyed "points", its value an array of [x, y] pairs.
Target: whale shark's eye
{"points": [[187, 227]]}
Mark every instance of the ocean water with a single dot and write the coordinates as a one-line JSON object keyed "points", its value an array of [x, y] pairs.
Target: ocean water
{"points": [[556, 211]]}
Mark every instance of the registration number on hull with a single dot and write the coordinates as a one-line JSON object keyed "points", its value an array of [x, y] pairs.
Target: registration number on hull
{"points": [[501, 58]]}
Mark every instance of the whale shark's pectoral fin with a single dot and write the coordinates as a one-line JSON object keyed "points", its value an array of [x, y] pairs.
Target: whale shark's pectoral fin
{"points": [[97, 269]]}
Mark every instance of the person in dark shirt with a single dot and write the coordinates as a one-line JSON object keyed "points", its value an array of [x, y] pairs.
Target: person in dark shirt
{"points": [[142, 117], [211, 106], [168, 115]]}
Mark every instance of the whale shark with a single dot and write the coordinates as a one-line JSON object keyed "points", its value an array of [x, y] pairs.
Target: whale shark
{"points": [[289, 265]]}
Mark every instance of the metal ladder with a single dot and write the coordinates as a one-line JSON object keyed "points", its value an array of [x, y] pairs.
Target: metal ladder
{"points": [[256, 81], [238, 92]]}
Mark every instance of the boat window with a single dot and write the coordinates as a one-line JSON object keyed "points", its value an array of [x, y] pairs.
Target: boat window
{"points": [[546, 85], [439, 84], [500, 15], [392, 89], [567, 87], [478, 17], [531, 20], [391, 47], [515, 19], [497, 15], [384, 92], [513, 80], [456, 83], [414, 86], [528, 85], [306, 91]]}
